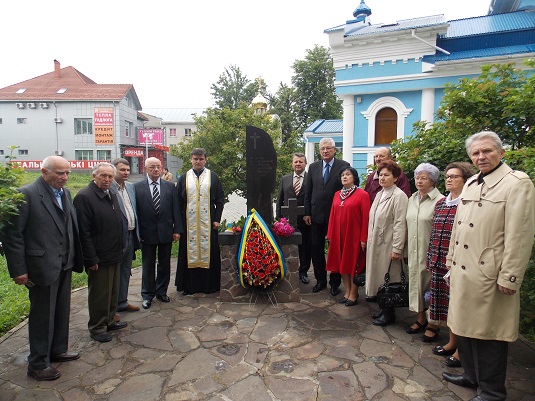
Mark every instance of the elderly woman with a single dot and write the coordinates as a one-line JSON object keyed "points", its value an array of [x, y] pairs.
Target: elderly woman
{"points": [[348, 228], [386, 236], [456, 175], [419, 220]]}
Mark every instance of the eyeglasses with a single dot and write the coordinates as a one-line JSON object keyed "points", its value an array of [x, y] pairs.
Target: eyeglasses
{"points": [[452, 176], [326, 148]]}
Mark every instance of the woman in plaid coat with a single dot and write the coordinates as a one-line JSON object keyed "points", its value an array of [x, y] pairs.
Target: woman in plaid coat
{"points": [[456, 175]]}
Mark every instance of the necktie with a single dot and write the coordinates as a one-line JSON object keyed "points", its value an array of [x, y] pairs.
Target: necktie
{"points": [[297, 184], [326, 174], [156, 196], [58, 193]]}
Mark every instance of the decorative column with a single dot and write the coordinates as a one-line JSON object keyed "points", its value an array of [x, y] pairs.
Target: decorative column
{"points": [[349, 127], [428, 105]]}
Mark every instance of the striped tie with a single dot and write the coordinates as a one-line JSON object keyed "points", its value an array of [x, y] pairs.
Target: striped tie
{"points": [[156, 196], [297, 184]]}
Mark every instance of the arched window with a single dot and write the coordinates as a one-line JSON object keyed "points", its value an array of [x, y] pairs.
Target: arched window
{"points": [[386, 126]]}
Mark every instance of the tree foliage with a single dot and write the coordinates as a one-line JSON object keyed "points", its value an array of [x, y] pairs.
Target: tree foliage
{"points": [[10, 198], [234, 88], [313, 80], [222, 134], [284, 104]]}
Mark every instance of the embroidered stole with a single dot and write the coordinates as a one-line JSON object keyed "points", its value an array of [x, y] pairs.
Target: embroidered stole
{"points": [[198, 219]]}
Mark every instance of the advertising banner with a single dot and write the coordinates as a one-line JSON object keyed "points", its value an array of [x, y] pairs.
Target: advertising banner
{"points": [[75, 164], [103, 125], [150, 136]]}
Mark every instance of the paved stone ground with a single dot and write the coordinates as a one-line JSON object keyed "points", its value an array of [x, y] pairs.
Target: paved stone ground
{"points": [[197, 348]]}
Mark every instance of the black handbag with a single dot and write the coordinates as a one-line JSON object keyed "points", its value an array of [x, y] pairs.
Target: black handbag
{"points": [[359, 279], [393, 295]]}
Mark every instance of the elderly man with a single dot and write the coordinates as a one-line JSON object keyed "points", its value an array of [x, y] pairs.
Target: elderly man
{"points": [[101, 232], [323, 180], [372, 182], [294, 186], [127, 201], [489, 250], [42, 249], [159, 225]]}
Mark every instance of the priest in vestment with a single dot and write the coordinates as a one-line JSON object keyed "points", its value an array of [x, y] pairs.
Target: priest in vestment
{"points": [[201, 200]]}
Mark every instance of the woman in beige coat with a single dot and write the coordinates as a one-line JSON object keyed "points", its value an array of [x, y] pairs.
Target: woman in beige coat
{"points": [[419, 223], [386, 236]]}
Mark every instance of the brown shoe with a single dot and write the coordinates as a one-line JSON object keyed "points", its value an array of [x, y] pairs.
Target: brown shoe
{"points": [[65, 357], [116, 318], [130, 308], [49, 373]]}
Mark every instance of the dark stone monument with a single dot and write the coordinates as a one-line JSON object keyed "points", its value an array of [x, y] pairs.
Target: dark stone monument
{"points": [[292, 211], [261, 174]]}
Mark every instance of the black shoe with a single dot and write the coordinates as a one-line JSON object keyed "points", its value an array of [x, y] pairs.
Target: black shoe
{"points": [[117, 326], [377, 314], [50, 373], [101, 337], [335, 290], [458, 380], [384, 320], [318, 287], [304, 279], [440, 350], [342, 300], [65, 357], [419, 327], [452, 362], [371, 299], [351, 303], [146, 303], [477, 398], [163, 298], [428, 339]]}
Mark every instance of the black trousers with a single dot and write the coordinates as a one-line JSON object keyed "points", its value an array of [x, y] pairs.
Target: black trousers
{"points": [[485, 363], [318, 233], [155, 278], [48, 321]]}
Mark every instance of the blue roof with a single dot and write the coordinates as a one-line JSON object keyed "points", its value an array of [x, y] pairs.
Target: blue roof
{"points": [[326, 127], [487, 24], [480, 53]]}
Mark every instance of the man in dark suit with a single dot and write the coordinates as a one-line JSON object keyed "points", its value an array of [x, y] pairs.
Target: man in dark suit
{"points": [[101, 233], [126, 195], [293, 186], [323, 180], [159, 225], [42, 249]]}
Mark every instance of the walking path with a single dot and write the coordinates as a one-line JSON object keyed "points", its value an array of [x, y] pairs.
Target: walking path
{"points": [[197, 348]]}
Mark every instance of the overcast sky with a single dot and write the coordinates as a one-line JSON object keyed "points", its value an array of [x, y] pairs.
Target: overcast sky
{"points": [[172, 51]]}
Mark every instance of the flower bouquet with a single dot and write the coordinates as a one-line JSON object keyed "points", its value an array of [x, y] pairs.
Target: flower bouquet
{"points": [[260, 260], [282, 228]]}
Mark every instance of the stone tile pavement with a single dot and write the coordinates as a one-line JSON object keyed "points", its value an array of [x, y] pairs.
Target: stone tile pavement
{"points": [[197, 348]]}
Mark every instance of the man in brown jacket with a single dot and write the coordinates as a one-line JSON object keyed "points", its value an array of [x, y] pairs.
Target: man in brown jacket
{"points": [[489, 250]]}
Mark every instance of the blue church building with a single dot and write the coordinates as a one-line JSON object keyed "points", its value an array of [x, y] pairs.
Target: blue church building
{"points": [[390, 76]]}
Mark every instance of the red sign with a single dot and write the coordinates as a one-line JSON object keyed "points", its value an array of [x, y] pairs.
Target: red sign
{"points": [[151, 136], [161, 147], [133, 152], [75, 164]]}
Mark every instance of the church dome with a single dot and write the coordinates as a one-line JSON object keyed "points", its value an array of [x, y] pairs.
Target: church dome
{"points": [[362, 9]]}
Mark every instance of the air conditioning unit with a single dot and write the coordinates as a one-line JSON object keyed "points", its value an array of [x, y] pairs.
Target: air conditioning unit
{"points": [[58, 120], [31, 105], [59, 152], [20, 105], [43, 105]]}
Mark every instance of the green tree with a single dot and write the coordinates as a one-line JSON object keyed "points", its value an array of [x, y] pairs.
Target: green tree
{"points": [[234, 88], [313, 80], [222, 134], [500, 99], [284, 104], [10, 198]]}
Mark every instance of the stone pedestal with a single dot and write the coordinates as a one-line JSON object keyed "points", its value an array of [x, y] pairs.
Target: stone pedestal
{"points": [[287, 290]]}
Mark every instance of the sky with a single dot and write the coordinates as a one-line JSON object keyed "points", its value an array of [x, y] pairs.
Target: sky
{"points": [[172, 51]]}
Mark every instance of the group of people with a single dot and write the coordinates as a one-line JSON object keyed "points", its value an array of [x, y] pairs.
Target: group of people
{"points": [[465, 253], [100, 230]]}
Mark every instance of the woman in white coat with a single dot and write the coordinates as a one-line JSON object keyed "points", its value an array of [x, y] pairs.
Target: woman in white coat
{"points": [[419, 224], [386, 236]]}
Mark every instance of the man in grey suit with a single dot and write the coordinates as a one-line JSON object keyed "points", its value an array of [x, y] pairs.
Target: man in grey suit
{"points": [[42, 248], [159, 225], [127, 201], [294, 186], [323, 180]]}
